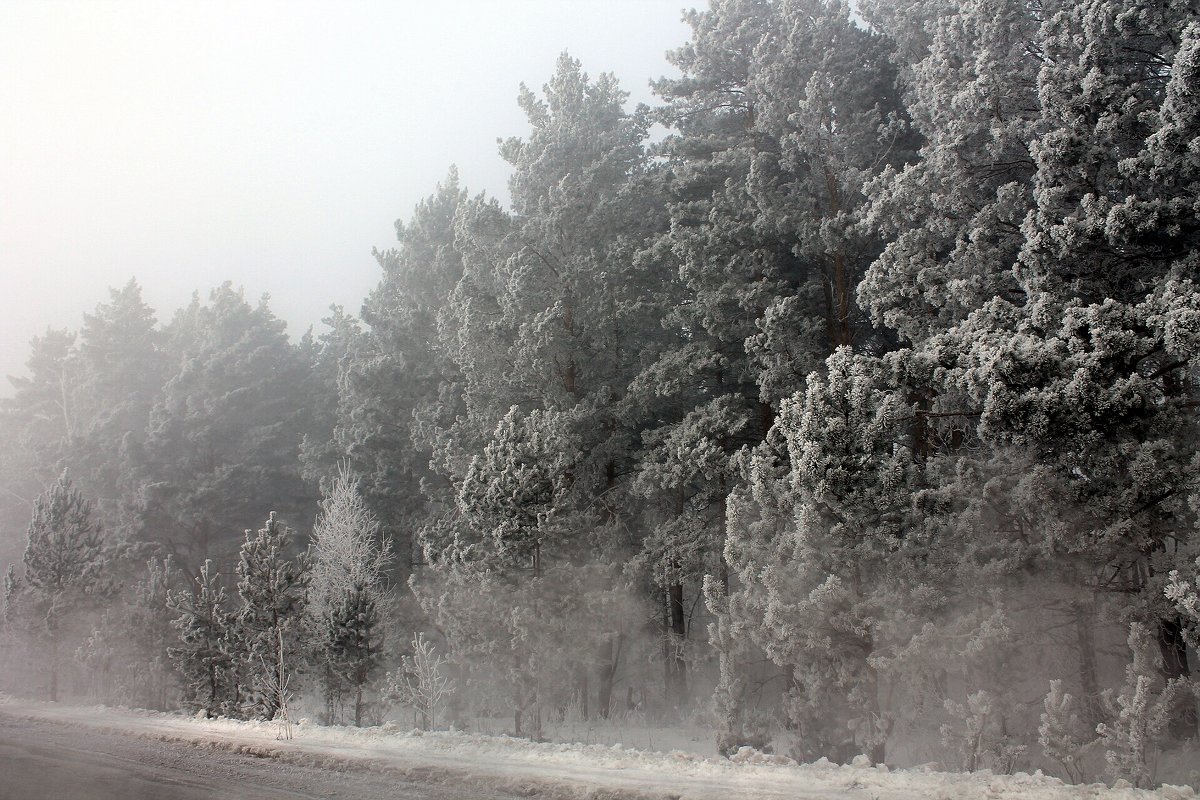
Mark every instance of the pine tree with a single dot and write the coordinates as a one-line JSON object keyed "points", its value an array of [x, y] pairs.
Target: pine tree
{"points": [[34, 433], [273, 589], [1038, 265], [783, 114], [225, 435], [64, 569], [399, 379], [820, 564], [120, 369], [546, 327], [205, 657], [352, 647]]}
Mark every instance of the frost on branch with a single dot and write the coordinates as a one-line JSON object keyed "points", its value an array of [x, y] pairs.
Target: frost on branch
{"points": [[1186, 598], [349, 563]]}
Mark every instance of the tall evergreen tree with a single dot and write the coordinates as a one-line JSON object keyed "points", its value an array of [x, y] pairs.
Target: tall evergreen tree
{"points": [[399, 379], [553, 316], [784, 112], [225, 435], [120, 368]]}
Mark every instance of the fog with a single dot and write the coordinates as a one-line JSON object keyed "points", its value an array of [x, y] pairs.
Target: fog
{"points": [[273, 144], [850, 416]]}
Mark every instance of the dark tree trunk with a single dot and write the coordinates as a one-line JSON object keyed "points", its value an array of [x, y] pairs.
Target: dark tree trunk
{"points": [[1085, 641], [582, 690], [54, 672], [610, 657], [676, 665]]}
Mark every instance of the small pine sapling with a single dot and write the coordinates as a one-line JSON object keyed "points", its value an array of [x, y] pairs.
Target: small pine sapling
{"points": [[349, 562], [65, 564], [1061, 732], [1139, 713], [204, 657], [351, 645]]}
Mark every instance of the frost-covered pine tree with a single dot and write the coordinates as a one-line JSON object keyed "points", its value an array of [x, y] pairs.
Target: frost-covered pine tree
{"points": [[783, 112], [548, 323], [515, 547], [819, 552], [399, 380], [273, 587], [1038, 271], [225, 431], [63, 571], [205, 656], [1091, 372], [351, 648], [512, 492]]}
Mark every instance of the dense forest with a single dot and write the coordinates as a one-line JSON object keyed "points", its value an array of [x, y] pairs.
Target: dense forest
{"points": [[844, 400]]}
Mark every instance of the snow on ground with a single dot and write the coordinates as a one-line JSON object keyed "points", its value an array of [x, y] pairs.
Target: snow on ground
{"points": [[571, 771]]}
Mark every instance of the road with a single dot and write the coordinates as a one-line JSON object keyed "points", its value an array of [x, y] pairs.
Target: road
{"points": [[51, 761]]}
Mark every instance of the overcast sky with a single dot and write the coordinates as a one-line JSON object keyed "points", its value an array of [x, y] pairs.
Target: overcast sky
{"points": [[269, 143]]}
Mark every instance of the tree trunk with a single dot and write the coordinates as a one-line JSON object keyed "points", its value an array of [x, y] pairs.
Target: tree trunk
{"points": [[1085, 641], [53, 670], [676, 665], [839, 311], [921, 446], [610, 657], [581, 688], [878, 733]]}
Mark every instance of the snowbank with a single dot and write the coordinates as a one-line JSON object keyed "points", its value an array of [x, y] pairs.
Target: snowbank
{"points": [[571, 770]]}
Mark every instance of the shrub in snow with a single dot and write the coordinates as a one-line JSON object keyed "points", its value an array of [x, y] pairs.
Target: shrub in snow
{"points": [[1140, 712], [420, 683], [277, 680], [979, 735]]}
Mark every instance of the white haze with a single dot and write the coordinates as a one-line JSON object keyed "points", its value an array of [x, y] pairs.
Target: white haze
{"points": [[268, 143]]}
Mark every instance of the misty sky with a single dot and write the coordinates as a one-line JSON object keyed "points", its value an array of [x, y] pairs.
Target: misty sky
{"points": [[271, 143]]}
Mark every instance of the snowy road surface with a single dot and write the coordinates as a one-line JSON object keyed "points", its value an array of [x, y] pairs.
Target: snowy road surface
{"points": [[52, 761], [48, 751]]}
